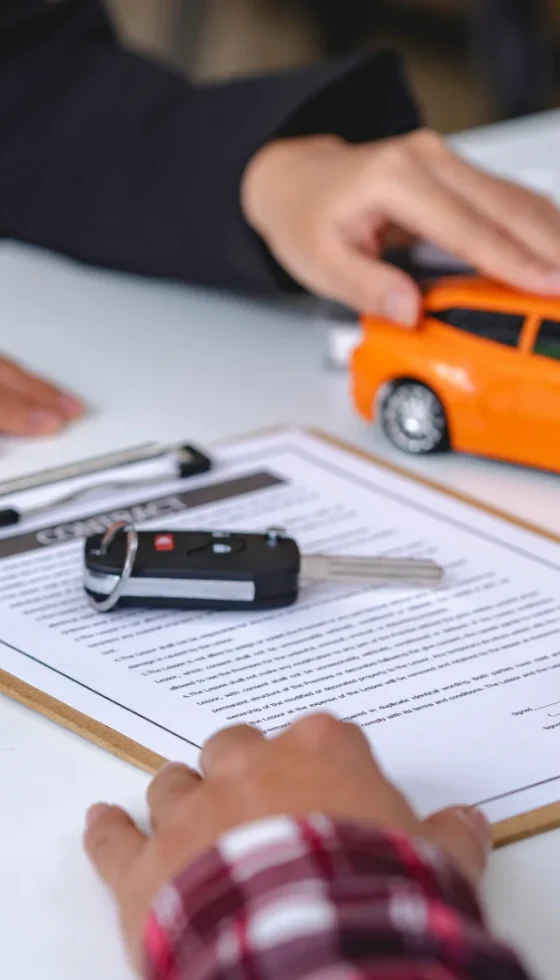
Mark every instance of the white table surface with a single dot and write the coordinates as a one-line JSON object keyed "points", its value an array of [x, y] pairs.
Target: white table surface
{"points": [[164, 362]]}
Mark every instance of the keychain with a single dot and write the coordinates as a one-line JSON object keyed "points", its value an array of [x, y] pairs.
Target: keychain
{"points": [[225, 570]]}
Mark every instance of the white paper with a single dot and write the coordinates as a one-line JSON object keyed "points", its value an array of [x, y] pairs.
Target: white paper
{"points": [[458, 688]]}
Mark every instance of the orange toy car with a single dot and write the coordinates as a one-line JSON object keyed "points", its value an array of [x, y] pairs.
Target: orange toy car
{"points": [[480, 374]]}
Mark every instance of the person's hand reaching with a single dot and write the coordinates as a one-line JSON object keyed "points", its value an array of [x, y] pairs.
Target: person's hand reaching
{"points": [[30, 406], [317, 765], [326, 210]]}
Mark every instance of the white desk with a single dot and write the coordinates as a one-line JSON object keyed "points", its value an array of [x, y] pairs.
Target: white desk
{"points": [[164, 362]]}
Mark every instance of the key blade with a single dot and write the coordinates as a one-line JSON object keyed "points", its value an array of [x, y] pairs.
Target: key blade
{"points": [[371, 571]]}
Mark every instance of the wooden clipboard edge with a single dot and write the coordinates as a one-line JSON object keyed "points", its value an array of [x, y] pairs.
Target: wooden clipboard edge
{"points": [[84, 726], [506, 832], [526, 825]]}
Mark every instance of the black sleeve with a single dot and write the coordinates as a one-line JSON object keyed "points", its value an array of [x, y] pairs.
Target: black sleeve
{"points": [[113, 160]]}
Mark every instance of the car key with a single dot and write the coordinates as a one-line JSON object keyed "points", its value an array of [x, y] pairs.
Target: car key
{"points": [[225, 570]]}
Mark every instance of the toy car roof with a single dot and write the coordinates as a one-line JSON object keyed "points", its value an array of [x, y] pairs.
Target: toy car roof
{"points": [[478, 293]]}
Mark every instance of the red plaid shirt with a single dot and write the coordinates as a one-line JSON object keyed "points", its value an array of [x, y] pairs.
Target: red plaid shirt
{"points": [[288, 899]]}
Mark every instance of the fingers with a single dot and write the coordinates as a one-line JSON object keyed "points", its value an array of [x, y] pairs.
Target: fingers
{"points": [[465, 835], [37, 391], [21, 417], [322, 732], [530, 218], [112, 842], [173, 784], [230, 751], [30, 406], [333, 205], [426, 206], [369, 286]]}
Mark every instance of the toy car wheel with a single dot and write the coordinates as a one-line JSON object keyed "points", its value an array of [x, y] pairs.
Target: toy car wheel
{"points": [[413, 418]]}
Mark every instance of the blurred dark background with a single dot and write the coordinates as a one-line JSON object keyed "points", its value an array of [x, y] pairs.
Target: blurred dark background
{"points": [[471, 61]]}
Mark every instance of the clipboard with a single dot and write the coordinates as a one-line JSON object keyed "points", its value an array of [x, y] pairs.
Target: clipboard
{"points": [[506, 832]]}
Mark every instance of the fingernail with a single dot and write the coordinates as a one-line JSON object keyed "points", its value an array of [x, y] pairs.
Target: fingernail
{"points": [[69, 406], [44, 421], [479, 823], [94, 812], [402, 307]]}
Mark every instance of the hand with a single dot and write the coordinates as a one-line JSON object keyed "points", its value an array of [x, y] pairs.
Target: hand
{"points": [[30, 406], [317, 765], [325, 209]]}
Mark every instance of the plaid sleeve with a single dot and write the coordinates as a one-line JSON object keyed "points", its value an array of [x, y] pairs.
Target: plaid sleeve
{"points": [[287, 899]]}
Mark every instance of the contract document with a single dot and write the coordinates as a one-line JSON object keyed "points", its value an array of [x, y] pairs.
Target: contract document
{"points": [[456, 686]]}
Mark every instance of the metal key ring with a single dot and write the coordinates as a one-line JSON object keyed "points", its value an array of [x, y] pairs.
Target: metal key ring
{"points": [[105, 605]]}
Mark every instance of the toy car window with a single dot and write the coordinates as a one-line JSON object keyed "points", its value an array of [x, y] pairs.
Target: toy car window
{"points": [[504, 328], [548, 339]]}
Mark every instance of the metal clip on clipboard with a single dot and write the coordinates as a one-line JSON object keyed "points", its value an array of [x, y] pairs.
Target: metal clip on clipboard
{"points": [[186, 461]]}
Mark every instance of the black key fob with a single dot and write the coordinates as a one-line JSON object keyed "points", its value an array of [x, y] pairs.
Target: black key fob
{"points": [[191, 570]]}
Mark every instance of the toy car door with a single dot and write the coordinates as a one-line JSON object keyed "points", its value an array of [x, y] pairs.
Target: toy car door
{"points": [[540, 397], [485, 345]]}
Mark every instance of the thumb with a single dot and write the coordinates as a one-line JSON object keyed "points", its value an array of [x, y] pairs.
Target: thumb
{"points": [[372, 287], [112, 842], [465, 835]]}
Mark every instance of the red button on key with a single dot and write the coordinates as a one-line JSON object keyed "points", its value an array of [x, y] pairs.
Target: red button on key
{"points": [[164, 542]]}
